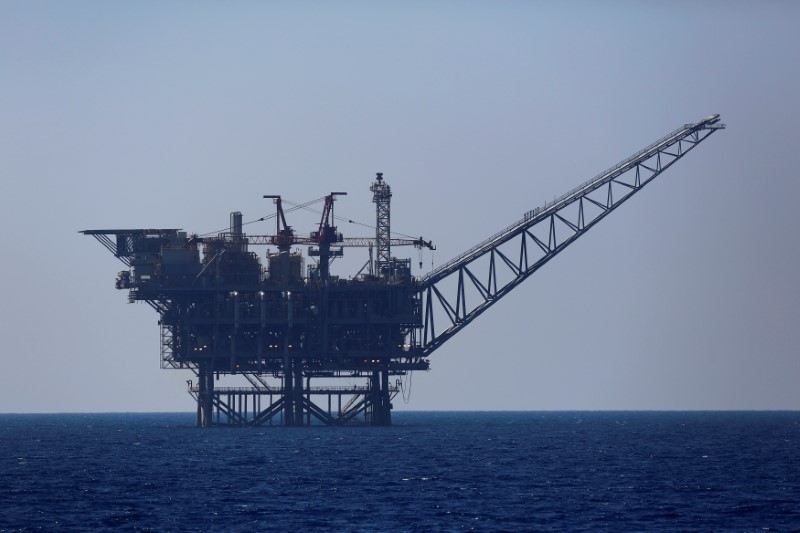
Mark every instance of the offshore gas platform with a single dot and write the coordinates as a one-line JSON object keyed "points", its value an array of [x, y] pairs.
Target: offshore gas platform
{"points": [[283, 323]]}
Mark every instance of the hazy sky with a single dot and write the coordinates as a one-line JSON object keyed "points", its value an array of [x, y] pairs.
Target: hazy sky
{"points": [[173, 114]]}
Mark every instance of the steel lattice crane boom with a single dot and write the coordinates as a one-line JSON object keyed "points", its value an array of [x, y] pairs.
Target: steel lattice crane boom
{"points": [[488, 271], [223, 312]]}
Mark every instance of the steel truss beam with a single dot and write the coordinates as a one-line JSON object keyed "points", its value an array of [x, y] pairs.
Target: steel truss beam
{"points": [[242, 406], [459, 291], [125, 239]]}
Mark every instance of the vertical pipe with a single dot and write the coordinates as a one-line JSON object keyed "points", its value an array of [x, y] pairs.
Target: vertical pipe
{"points": [[236, 223], [308, 401], [263, 313], [386, 405], [288, 367], [235, 330]]}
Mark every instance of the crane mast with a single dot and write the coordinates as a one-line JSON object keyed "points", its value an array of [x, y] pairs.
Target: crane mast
{"points": [[222, 313]]}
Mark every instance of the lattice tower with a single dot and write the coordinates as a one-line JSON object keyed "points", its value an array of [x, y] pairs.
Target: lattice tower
{"points": [[382, 195]]}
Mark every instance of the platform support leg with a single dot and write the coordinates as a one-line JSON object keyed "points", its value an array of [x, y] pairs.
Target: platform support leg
{"points": [[381, 400], [205, 396], [288, 394], [298, 394]]}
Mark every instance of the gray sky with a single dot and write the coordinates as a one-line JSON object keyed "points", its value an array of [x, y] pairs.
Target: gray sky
{"points": [[161, 114]]}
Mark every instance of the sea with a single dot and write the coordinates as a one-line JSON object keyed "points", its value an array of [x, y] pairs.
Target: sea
{"points": [[430, 471]]}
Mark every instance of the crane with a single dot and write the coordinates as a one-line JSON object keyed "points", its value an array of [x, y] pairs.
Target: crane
{"points": [[225, 314], [487, 271]]}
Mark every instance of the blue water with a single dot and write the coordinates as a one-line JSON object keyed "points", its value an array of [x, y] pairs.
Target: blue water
{"points": [[608, 471]]}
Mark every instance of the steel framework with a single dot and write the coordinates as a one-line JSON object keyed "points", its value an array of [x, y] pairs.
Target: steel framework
{"points": [[381, 196], [463, 288], [223, 313]]}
